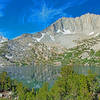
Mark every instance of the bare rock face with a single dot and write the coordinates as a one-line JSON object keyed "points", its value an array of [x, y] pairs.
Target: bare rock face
{"points": [[66, 31], [85, 24]]}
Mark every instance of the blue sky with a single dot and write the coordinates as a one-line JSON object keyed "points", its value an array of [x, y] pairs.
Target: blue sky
{"points": [[29, 16]]}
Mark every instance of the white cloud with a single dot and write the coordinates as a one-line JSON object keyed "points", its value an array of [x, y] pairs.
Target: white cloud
{"points": [[45, 11]]}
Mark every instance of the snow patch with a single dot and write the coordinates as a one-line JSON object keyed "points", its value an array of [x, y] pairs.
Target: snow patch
{"points": [[97, 34], [2, 39], [9, 57], [30, 44], [67, 32], [92, 33], [39, 39], [23, 49], [52, 38], [58, 31]]}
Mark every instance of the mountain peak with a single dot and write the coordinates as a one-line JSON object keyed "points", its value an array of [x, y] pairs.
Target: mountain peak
{"points": [[85, 15], [84, 24], [66, 30]]}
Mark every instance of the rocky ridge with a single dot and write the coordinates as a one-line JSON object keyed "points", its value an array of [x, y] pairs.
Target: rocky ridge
{"points": [[66, 31], [67, 41]]}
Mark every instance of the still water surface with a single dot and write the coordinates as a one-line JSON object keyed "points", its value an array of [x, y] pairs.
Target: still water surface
{"points": [[35, 76]]}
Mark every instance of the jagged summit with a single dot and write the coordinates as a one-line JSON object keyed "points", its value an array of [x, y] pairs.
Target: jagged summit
{"points": [[85, 23], [66, 30]]}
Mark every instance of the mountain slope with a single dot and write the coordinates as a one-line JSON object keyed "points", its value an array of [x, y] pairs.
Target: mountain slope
{"points": [[67, 30], [67, 41]]}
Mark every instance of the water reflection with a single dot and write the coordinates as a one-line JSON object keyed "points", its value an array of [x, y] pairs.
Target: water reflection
{"points": [[81, 69], [33, 76]]}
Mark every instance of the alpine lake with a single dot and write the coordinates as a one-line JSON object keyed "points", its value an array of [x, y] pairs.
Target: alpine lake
{"points": [[35, 76]]}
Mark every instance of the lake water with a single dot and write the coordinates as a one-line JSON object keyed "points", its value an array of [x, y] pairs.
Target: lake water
{"points": [[85, 69], [35, 76]]}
